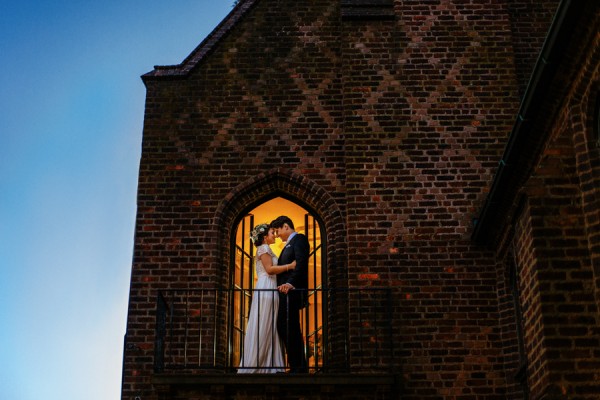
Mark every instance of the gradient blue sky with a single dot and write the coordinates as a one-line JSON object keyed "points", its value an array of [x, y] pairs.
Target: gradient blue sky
{"points": [[71, 113]]}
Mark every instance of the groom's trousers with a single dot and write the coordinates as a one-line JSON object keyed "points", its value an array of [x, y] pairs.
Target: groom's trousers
{"points": [[288, 327]]}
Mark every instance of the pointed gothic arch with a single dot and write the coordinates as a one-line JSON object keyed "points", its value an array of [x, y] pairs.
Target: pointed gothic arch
{"points": [[293, 187]]}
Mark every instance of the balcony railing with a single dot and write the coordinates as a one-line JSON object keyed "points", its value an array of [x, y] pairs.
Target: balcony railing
{"points": [[345, 330]]}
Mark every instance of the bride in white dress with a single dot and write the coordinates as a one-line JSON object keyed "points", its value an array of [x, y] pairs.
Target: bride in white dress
{"points": [[263, 350]]}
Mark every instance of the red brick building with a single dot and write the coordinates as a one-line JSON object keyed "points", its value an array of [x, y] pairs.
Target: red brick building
{"points": [[442, 157]]}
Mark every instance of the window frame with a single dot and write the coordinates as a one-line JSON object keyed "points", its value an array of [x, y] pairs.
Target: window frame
{"points": [[320, 359]]}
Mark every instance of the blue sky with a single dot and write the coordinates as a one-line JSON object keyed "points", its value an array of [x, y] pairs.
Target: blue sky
{"points": [[71, 114]]}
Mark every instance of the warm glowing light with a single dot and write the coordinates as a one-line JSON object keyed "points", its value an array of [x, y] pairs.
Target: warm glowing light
{"points": [[245, 276]]}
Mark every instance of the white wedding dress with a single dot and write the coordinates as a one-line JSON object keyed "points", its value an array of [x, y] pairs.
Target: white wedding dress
{"points": [[263, 352]]}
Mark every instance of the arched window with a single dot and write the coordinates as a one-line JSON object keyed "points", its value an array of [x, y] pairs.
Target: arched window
{"points": [[243, 278]]}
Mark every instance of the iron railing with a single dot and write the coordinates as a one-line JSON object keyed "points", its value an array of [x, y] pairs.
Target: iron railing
{"points": [[345, 330]]}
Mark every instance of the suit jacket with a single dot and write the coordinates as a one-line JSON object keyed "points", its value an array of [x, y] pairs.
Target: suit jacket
{"points": [[296, 249]]}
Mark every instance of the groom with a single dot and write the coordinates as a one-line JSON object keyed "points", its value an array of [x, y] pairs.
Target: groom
{"points": [[290, 300]]}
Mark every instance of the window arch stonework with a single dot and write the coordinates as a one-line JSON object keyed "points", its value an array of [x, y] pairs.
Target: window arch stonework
{"points": [[296, 188]]}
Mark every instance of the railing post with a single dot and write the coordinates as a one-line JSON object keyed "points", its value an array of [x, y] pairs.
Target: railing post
{"points": [[160, 333], [390, 312]]}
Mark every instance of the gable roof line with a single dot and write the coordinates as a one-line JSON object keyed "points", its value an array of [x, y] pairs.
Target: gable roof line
{"points": [[205, 47]]}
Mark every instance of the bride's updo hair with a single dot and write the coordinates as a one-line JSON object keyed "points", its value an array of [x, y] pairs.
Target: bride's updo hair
{"points": [[258, 234]]}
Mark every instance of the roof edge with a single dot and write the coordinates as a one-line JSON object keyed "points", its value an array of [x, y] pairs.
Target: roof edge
{"points": [[204, 48], [521, 141]]}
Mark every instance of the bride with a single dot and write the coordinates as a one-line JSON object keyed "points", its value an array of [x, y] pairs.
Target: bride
{"points": [[262, 347]]}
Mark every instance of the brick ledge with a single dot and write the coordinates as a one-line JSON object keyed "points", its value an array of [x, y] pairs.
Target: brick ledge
{"points": [[274, 379]]}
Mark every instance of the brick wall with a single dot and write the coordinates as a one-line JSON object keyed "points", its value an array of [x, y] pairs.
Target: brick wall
{"points": [[424, 128], [556, 238], [389, 130], [583, 121], [530, 22], [558, 298]]}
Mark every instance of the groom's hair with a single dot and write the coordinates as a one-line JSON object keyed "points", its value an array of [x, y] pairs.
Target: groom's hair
{"points": [[279, 221]]}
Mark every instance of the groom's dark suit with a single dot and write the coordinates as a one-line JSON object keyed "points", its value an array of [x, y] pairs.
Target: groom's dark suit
{"points": [[288, 317]]}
